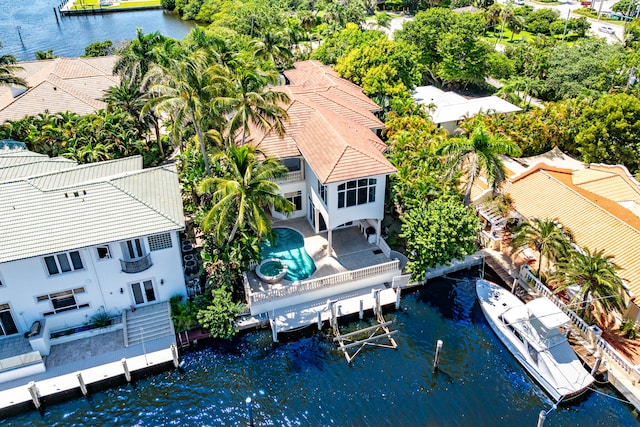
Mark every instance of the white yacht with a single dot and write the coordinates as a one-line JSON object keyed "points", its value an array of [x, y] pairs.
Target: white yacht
{"points": [[535, 334]]}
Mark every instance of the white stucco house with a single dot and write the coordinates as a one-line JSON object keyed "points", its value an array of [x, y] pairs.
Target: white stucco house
{"points": [[337, 169], [81, 239]]}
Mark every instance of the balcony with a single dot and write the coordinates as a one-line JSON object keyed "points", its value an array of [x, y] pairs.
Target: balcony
{"points": [[292, 176], [136, 266]]}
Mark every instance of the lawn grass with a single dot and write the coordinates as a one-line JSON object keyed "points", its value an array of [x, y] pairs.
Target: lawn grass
{"points": [[95, 4], [522, 36]]}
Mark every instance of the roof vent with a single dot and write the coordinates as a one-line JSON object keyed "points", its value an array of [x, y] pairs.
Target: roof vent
{"points": [[66, 195], [76, 194]]}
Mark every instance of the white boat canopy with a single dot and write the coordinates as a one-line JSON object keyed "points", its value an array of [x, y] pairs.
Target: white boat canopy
{"points": [[549, 315]]}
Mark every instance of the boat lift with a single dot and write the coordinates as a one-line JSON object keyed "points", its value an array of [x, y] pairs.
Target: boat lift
{"points": [[373, 334]]}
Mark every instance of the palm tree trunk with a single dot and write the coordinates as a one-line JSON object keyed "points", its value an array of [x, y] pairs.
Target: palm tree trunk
{"points": [[203, 147], [156, 128]]}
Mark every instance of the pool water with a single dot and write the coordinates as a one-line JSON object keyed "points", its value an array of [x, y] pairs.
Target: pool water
{"points": [[289, 247], [271, 268]]}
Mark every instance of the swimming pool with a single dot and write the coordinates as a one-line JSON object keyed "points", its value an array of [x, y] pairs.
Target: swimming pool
{"points": [[289, 247]]}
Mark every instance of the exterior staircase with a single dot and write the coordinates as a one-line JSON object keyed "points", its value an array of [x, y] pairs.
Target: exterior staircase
{"points": [[147, 323]]}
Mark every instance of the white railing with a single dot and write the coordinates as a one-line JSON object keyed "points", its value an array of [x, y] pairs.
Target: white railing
{"points": [[324, 282], [384, 247], [585, 330], [292, 176]]}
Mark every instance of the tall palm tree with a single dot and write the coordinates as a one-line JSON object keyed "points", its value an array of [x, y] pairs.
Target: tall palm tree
{"points": [[184, 90], [7, 71], [248, 101], [600, 287], [478, 153], [139, 56], [242, 195], [549, 238]]}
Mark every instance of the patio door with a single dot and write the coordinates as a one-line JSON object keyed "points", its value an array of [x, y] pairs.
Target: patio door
{"points": [[143, 292], [7, 325]]}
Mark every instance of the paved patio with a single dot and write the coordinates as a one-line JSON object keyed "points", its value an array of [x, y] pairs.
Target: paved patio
{"points": [[351, 251]]}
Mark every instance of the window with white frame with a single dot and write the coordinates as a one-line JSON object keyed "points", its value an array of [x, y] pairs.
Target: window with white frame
{"points": [[322, 192], [103, 252], [160, 241], [133, 249], [7, 324], [295, 198], [62, 301], [63, 263], [357, 192]]}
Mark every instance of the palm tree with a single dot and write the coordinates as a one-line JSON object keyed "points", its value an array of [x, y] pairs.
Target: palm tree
{"points": [[547, 237], [139, 56], [184, 90], [241, 196], [7, 70], [478, 153], [42, 55], [600, 287], [249, 102]]}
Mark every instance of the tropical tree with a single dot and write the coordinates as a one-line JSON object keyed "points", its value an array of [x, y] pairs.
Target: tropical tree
{"points": [[476, 154], [139, 56], [218, 316], [600, 288], [248, 101], [7, 71], [184, 90], [548, 237], [241, 196], [41, 55]]}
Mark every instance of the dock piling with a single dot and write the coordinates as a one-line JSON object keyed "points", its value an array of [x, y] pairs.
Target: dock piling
{"points": [[174, 354], [274, 331], [361, 311], [319, 320], [596, 365], [541, 417], [83, 386], [127, 373], [249, 411], [35, 394], [398, 298], [436, 359]]}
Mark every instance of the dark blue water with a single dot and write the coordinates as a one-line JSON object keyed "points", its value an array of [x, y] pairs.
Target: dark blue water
{"points": [[289, 247], [308, 382], [69, 37]]}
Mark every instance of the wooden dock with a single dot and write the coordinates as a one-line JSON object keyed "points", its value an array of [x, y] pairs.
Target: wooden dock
{"points": [[35, 394], [586, 354]]}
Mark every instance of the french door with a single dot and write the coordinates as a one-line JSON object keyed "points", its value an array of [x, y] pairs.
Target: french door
{"points": [[143, 292]]}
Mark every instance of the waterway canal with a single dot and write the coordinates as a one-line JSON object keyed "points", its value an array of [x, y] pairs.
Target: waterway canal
{"points": [[308, 382], [35, 23]]}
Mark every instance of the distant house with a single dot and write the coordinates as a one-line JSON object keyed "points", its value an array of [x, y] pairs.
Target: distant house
{"points": [[337, 169], [83, 239], [448, 109], [59, 85], [600, 204]]}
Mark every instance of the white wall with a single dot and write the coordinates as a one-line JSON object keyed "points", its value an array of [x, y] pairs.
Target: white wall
{"points": [[102, 279], [291, 187]]}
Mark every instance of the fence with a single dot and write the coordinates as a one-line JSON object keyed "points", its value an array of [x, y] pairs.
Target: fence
{"points": [[591, 333], [324, 282]]}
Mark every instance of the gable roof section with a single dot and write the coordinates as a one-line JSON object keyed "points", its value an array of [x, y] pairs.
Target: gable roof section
{"points": [[86, 206], [58, 85], [596, 222], [335, 147]]}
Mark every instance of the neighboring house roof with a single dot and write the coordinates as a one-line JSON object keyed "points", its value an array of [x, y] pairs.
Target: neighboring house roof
{"points": [[332, 133], [59, 85], [451, 107], [596, 221], [87, 205]]}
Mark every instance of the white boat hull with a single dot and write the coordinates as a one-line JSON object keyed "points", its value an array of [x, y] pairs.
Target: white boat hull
{"points": [[556, 368]]}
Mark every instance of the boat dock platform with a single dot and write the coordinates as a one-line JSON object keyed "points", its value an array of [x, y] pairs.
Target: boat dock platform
{"points": [[456, 265], [54, 385]]}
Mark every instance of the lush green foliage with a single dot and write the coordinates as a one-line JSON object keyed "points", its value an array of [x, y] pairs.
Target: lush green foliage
{"points": [[438, 232], [8, 70], [95, 49], [218, 316]]}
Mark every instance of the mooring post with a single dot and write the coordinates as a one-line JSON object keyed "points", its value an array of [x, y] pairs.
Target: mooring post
{"points": [[541, 417], [174, 354], [596, 365], [83, 386], [334, 317], [35, 394], [436, 358], [274, 331], [398, 298], [319, 320], [513, 287], [361, 311], [249, 411], [127, 374]]}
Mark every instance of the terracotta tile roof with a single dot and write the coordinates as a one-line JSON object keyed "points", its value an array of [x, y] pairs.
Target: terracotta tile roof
{"points": [[335, 148], [58, 85], [312, 74], [597, 222]]}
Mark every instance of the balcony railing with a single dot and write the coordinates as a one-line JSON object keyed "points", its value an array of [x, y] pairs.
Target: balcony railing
{"points": [[136, 266], [292, 176]]}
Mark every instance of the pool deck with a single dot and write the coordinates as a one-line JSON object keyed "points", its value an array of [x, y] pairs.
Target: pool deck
{"points": [[351, 251]]}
